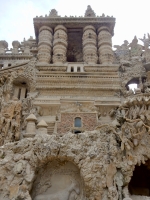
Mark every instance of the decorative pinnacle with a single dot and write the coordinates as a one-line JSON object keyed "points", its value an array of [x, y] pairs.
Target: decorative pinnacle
{"points": [[89, 12]]}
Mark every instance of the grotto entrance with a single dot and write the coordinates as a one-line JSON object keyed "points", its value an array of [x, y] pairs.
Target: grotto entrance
{"points": [[140, 181]]}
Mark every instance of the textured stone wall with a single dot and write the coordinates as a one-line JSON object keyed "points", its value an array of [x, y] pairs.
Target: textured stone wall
{"points": [[88, 120], [102, 164]]}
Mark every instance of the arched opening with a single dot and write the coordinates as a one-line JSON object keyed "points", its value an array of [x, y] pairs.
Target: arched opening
{"points": [[77, 125], [20, 88], [58, 179], [78, 69], [140, 181], [135, 83]]}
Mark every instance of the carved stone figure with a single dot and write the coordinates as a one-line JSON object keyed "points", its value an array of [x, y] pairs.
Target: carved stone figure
{"points": [[60, 195], [123, 53], [136, 49]]}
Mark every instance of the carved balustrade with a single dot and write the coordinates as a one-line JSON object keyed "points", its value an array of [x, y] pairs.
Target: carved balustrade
{"points": [[89, 42], [60, 44], [105, 46], [45, 44]]}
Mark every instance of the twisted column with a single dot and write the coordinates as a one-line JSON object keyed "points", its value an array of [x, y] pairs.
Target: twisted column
{"points": [[60, 44], [105, 46], [89, 42], [45, 44]]}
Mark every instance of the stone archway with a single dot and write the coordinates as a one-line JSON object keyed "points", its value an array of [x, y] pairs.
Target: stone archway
{"points": [[58, 180]]}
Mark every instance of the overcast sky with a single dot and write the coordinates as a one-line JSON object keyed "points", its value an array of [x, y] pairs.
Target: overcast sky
{"points": [[16, 16]]}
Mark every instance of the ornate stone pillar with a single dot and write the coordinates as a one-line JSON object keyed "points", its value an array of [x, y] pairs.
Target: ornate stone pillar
{"points": [[16, 46], [105, 46], [45, 44], [60, 44], [31, 129], [89, 41], [3, 46]]}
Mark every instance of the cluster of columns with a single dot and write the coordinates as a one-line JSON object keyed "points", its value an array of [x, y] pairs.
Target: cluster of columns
{"points": [[95, 45]]}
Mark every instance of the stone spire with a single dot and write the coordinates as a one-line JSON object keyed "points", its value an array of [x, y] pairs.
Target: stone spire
{"points": [[89, 12]]}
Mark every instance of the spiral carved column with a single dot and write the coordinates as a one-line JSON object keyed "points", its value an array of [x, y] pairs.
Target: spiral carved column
{"points": [[89, 41], [105, 46], [60, 44], [45, 44]]}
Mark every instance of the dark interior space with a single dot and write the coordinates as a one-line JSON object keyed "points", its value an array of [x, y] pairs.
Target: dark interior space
{"points": [[140, 181], [74, 51]]}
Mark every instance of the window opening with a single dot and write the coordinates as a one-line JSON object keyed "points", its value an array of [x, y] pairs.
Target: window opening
{"points": [[78, 69], [77, 122], [72, 69], [19, 93], [1, 66], [26, 93]]}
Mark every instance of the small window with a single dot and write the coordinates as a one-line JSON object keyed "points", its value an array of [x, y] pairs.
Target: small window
{"points": [[19, 93], [78, 69], [9, 65], [72, 69], [20, 90], [26, 91], [1, 66], [77, 122]]}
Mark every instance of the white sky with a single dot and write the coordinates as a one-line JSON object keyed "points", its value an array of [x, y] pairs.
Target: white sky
{"points": [[16, 16]]}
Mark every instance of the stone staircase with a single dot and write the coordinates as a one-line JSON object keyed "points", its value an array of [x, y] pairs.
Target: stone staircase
{"points": [[50, 128]]}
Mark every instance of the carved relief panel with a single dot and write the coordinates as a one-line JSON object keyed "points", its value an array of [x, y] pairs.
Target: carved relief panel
{"points": [[58, 180]]}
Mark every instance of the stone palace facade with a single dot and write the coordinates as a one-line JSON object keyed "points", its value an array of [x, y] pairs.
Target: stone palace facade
{"points": [[70, 126]]}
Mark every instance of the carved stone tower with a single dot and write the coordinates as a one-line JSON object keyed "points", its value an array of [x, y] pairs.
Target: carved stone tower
{"points": [[70, 125]]}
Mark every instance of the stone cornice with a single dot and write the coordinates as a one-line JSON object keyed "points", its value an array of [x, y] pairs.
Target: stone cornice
{"points": [[86, 99], [74, 22], [51, 68], [79, 87], [88, 68], [13, 67], [43, 77], [10, 56]]}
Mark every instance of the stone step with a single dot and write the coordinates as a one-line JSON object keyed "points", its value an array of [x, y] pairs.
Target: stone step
{"points": [[50, 128]]}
